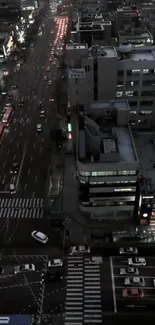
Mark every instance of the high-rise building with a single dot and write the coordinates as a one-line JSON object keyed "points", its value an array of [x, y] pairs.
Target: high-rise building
{"points": [[108, 73]]}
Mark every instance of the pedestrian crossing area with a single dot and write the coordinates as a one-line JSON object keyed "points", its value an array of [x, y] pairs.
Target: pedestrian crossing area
{"points": [[83, 303], [21, 208]]}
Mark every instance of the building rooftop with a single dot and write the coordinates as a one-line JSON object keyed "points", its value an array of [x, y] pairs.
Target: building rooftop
{"points": [[135, 33], [105, 136], [104, 51], [76, 46], [142, 54]]}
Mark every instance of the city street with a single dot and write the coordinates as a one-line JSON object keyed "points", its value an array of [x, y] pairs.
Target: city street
{"points": [[21, 142]]}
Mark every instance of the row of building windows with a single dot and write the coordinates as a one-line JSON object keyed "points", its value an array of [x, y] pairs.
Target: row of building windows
{"points": [[110, 173], [104, 204], [134, 72], [134, 93], [142, 113], [135, 83]]}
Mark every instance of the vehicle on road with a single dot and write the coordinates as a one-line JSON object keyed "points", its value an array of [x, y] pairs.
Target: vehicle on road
{"points": [[40, 104], [137, 261], [24, 268], [42, 114], [40, 236], [7, 271], [129, 270], [52, 276], [128, 250], [135, 281], [132, 293], [51, 99], [39, 128], [48, 69], [154, 282], [7, 116], [10, 97], [45, 78], [15, 168], [21, 103], [57, 262], [2, 127], [50, 82], [12, 188], [79, 249]]}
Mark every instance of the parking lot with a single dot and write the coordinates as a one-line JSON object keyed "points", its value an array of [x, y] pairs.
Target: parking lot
{"points": [[25, 292], [147, 272]]}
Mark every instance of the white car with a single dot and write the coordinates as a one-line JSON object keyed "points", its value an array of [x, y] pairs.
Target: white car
{"points": [[57, 262], [137, 261], [154, 282], [79, 249], [42, 114], [128, 251], [24, 268], [129, 271], [39, 128], [40, 236], [50, 82], [135, 281]]}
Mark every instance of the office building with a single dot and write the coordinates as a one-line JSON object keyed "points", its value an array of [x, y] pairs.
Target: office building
{"points": [[107, 162], [10, 8], [107, 73], [135, 36]]}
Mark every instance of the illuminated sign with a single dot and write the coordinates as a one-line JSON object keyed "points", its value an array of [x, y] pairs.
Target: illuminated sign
{"points": [[76, 73]]}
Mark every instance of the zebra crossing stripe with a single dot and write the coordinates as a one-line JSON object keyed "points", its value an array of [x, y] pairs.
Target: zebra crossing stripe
{"points": [[21, 208]]}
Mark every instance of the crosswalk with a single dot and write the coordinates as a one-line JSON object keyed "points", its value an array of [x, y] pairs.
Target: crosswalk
{"points": [[83, 292], [21, 208]]}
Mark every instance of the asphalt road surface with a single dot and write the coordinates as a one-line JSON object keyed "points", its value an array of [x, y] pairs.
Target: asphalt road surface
{"points": [[21, 142]]}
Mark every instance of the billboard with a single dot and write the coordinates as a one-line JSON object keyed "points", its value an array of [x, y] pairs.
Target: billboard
{"points": [[76, 73], [16, 320]]}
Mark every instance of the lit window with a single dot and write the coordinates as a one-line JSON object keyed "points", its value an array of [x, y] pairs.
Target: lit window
{"points": [[124, 189], [145, 71], [129, 93], [133, 112], [119, 94], [146, 113], [136, 71]]}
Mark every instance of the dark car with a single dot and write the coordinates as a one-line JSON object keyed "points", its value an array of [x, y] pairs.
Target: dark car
{"points": [[51, 276], [21, 103], [15, 168], [40, 104], [10, 97]]}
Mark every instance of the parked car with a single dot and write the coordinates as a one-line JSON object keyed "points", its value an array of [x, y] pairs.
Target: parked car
{"points": [[79, 249], [52, 276], [24, 268], [128, 251], [39, 128], [137, 261], [39, 236], [134, 281], [132, 293], [129, 270], [57, 262]]}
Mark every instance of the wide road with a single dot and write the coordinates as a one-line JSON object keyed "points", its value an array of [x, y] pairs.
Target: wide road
{"points": [[22, 143]]}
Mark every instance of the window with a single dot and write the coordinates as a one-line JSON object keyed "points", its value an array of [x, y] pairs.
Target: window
{"points": [[133, 104], [84, 173], [146, 103], [129, 72], [126, 172], [129, 93], [132, 83], [145, 113], [119, 84], [87, 68], [120, 73], [119, 94], [145, 71], [147, 83], [136, 72], [132, 112], [147, 93]]}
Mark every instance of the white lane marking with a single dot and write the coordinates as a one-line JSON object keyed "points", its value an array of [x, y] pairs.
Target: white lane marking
{"points": [[147, 288], [3, 181], [25, 187], [29, 171], [129, 276], [20, 285], [146, 266], [4, 164], [113, 285], [21, 166]]}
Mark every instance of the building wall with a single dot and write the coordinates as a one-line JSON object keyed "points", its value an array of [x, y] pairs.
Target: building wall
{"points": [[111, 78]]}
